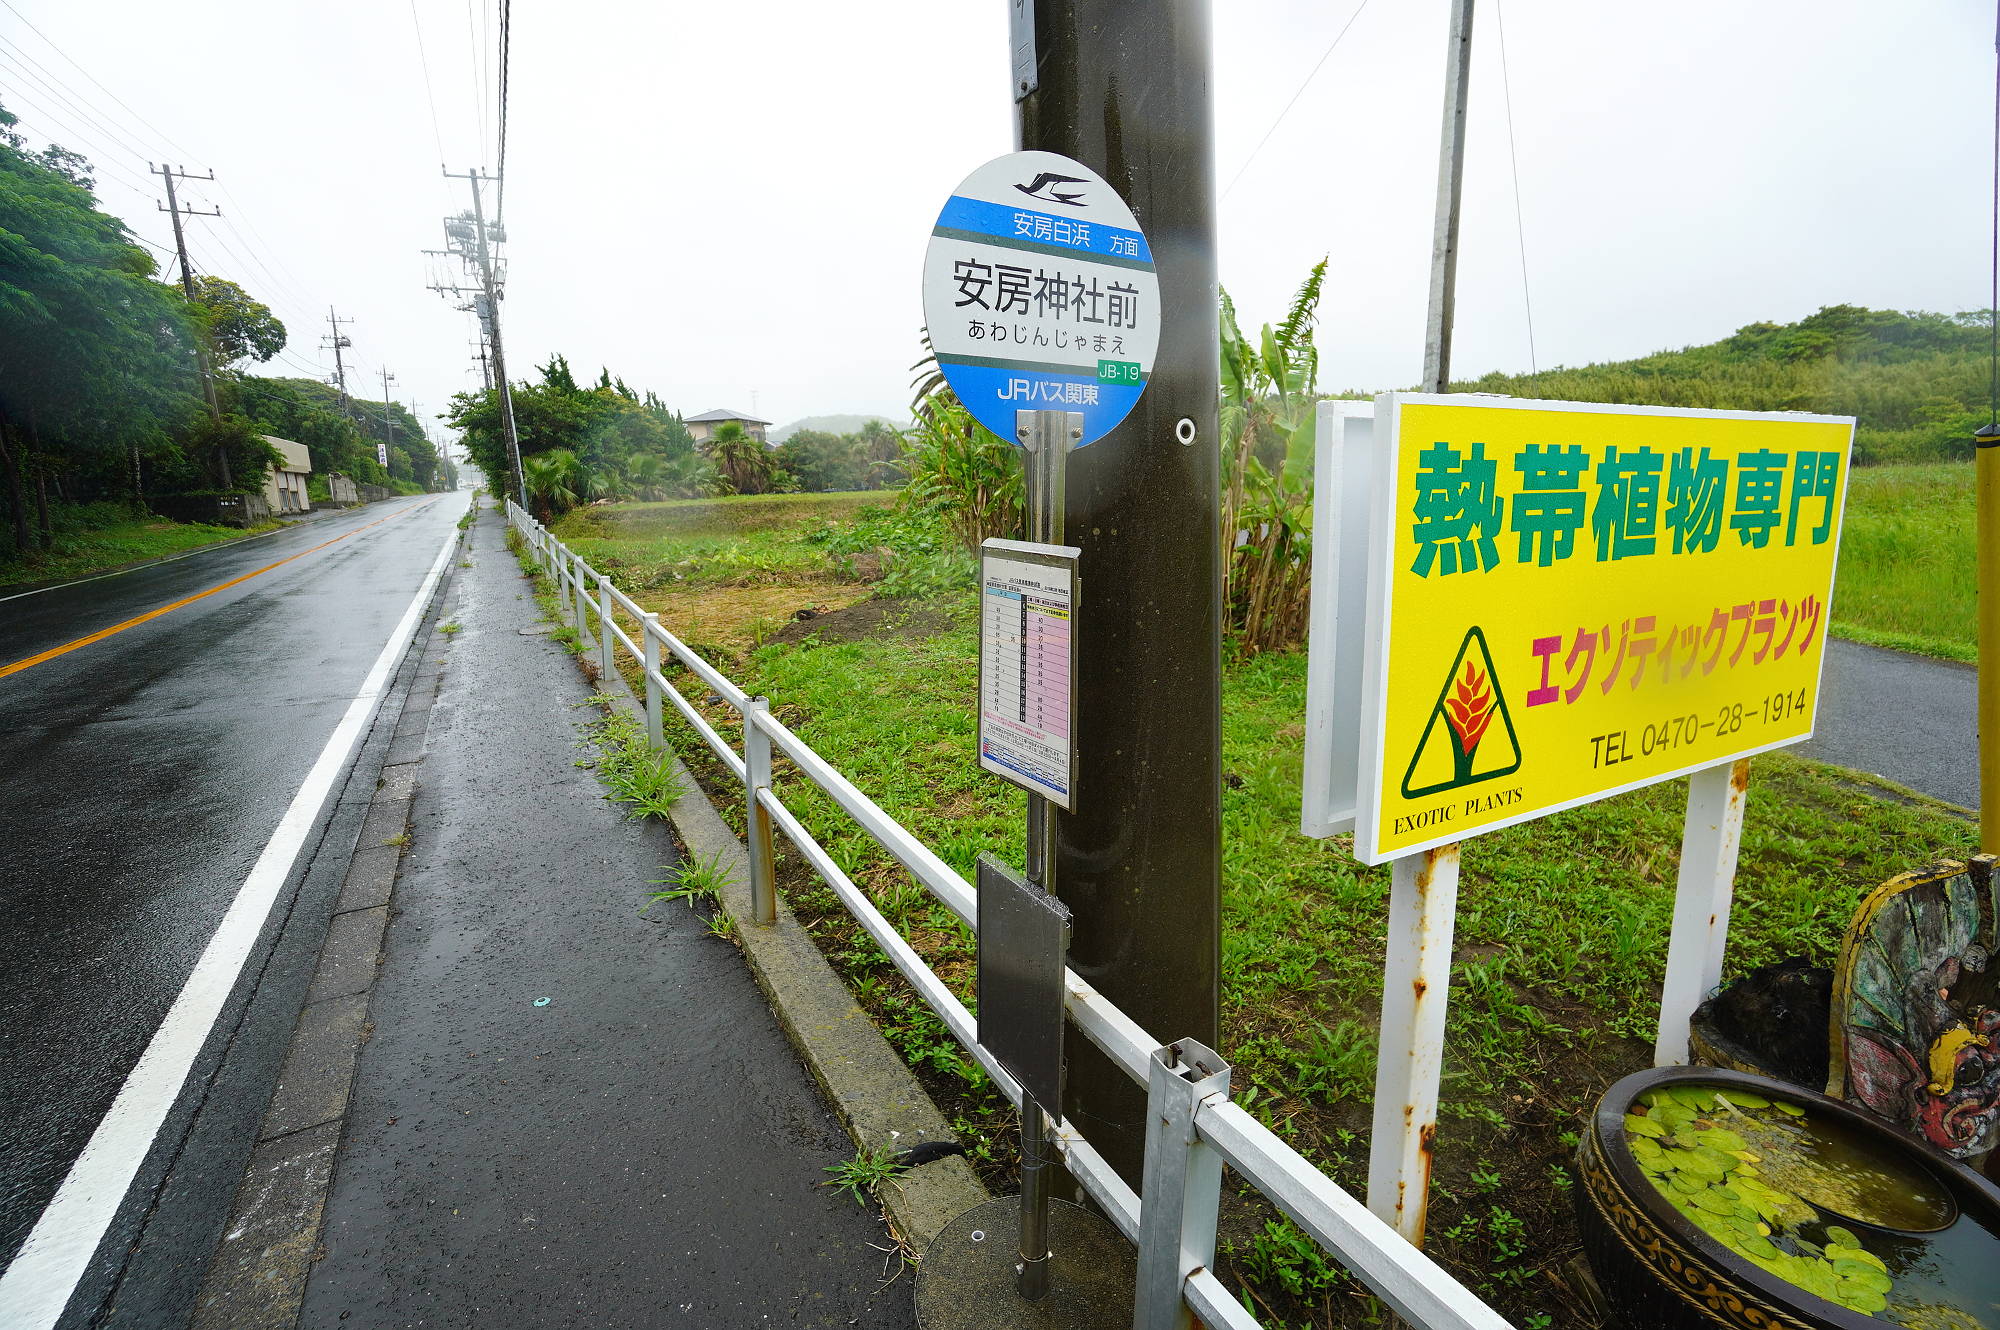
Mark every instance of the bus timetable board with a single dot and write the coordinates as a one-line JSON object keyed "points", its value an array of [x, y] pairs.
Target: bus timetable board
{"points": [[1570, 600], [1027, 666]]}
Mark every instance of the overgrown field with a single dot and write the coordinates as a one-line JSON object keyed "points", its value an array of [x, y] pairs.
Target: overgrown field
{"points": [[91, 538], [1908, 559], [1561, 934]]}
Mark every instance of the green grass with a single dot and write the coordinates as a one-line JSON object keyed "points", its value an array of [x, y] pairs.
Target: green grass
{"points": [[759, 540], [738, 513], [1561, 932], [99, 537], [1908, 560]]}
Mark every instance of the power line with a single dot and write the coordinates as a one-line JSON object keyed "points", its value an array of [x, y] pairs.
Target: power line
{"points": [[53, 88], [506, 21], [87, 74], [1337, 38], [478, 74], [1520, 229], [271, 249], [105, 156], [100, 168], [430, 96]]}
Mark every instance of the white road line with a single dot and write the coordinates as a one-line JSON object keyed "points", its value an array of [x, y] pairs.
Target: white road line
{"points": [[37, 1286]]}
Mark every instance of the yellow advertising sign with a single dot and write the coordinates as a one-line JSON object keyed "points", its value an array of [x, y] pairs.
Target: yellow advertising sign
{"points": [[1572, 600]]}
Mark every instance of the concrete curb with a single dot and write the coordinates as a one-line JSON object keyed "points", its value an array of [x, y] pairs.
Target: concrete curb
{"points": [[257, 1277], [876, 1096]]}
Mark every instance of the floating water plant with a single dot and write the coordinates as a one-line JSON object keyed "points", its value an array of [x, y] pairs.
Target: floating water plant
{"points": [[1771, 1183]]}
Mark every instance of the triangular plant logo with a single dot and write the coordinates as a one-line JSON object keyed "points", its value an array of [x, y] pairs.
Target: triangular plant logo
{"points": [[1469, 736]]}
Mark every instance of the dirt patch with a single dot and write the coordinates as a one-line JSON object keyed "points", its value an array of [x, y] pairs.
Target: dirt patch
{"points": [[744, 617], [868, 620]]}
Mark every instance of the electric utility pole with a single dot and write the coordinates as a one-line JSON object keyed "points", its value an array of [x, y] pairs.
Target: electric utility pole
{"points": [[488, 302], [1124, 87], [175, 209], [1423, 887], [388, 417], [338, 340], [1451, 179]]}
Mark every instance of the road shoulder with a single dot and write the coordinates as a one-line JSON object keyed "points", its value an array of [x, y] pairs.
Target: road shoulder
{"points": [[258, 1272]]}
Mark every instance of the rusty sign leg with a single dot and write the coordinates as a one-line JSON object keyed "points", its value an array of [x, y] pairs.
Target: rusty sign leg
{"points": [[1709, 842], [1423, 900]]}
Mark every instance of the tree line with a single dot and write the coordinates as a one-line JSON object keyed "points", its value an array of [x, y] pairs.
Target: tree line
{"points": [[1915, 381], [585, 442], [100, 396]]}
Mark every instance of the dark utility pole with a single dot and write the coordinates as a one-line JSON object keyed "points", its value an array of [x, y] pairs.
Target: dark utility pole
{"points": [[388, 417], [338, 341], [1124, 88], [173, 208], [1451, 181], [488, 304]]}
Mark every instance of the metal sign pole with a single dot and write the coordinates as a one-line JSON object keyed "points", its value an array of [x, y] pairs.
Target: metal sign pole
{"points": [[1416, 976], [1046, 438]]}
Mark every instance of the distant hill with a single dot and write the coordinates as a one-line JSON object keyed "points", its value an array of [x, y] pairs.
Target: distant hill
{"points": [[830, 424], [1915, 382]]}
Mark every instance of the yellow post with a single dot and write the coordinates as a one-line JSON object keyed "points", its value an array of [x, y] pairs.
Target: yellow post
{"points": [[1986, 532]]}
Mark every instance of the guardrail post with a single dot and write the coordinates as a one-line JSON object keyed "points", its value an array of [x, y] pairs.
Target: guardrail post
{"points": [[576, 596], [649, 638], [1182, 1183], [757, 819], [607, 659]]}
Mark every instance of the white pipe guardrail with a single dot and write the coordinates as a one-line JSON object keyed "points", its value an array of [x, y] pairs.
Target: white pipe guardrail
{"points": [[1192, 1127]]}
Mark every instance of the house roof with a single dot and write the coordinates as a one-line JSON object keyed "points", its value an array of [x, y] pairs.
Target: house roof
{"points": [[716, 417], [297, 457]]}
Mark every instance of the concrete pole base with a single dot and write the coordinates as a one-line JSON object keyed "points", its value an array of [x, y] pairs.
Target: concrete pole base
{"points": [[966, 1278]]}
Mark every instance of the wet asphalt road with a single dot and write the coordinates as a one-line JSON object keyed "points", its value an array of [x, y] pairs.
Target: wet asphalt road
{"points": [[145, 773], [1907, 718]]}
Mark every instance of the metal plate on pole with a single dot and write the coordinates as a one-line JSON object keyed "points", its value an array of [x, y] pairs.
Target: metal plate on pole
{"points": [[1023, 942], [1027, 666], [1039, 294]]}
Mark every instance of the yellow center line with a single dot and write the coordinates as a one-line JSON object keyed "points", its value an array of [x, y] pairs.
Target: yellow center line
{"points": [[31, 661]]}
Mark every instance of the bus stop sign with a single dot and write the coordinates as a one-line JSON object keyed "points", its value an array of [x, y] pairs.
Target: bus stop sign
{"points": [[1039, 295]]}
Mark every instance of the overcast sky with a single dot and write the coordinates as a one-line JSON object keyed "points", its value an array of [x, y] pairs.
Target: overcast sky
{"points": [[728, 203]]}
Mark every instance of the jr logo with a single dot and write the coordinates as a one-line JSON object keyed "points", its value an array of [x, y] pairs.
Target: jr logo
{"points": [[1044, 188], [1460, 744]]}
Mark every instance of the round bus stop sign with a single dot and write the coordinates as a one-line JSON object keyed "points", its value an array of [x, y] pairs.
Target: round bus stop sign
{"points": [[1039, 294]]}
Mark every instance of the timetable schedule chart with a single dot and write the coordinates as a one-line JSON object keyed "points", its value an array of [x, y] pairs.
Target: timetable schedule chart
{"points": [[1026, 665]]}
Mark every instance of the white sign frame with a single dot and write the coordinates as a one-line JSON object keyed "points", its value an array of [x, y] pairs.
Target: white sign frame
{"points": [[1374, 684], [1344, 465]]}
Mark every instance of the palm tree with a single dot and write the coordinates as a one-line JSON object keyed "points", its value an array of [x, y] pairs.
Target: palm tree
{"points": [[554, 479], [742, 458], [645, 475], [880, 447], [692, 476]]}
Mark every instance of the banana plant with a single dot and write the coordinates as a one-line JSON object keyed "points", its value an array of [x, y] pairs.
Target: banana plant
{"points": [[1268, 391]]}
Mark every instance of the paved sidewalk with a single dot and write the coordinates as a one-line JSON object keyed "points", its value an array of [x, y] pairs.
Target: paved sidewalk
{"points": [[644, 1149]]}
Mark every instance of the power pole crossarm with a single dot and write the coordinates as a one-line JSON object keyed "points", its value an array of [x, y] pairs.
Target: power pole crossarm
{"points": [[338, 340], [174, 208], [488, 303]]}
